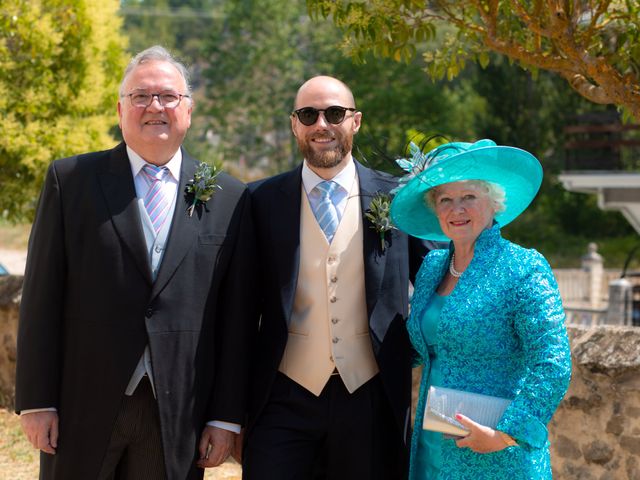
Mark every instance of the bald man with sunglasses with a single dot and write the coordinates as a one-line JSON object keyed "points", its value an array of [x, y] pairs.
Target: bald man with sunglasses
{"points": [[331, 382]]}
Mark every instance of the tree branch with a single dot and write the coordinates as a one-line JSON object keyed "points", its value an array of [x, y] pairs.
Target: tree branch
{"points": [[528, 20], [587, 89]]}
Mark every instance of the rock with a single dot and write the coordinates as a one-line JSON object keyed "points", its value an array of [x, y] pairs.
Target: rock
{"points": [[10, 295], [616, 425], [10, 291], [631, 444], [607, 348], [575, 472], [609, 476], [595, 433], [567, 448], [632, 468], [598, 452]]}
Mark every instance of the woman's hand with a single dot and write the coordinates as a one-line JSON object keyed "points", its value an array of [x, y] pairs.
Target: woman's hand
{"points": [[481, 439]]}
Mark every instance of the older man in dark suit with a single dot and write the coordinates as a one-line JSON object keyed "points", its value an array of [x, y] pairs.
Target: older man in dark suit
{"points": [[332, 363], [134, 327]]}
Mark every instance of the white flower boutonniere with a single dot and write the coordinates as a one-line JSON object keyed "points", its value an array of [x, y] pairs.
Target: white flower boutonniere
{"points": [[202, 186], [378, 215]]}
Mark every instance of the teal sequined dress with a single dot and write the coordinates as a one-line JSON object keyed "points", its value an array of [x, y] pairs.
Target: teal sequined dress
{"points": [[501, 332]]}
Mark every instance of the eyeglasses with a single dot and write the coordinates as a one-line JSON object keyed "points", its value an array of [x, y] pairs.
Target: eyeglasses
{"points": [[334, 115], [167, 100]]}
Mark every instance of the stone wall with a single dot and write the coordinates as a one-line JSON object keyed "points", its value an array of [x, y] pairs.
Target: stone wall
{"points": [[10, 293], [595, 434]]}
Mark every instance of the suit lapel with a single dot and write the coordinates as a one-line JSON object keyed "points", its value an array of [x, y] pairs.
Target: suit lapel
{"points": [[120, 195], [184, 228], [285, 232], [374, 259]]}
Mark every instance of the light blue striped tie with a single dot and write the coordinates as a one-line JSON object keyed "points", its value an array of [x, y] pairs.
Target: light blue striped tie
{"points": [[155, 201], [325, 211]]}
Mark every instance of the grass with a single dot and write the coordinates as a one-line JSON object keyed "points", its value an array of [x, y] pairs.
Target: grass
{"points": [[19, 461]]}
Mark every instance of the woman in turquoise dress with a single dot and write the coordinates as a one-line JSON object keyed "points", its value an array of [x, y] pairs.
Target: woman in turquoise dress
{"points": [[486, 314]]}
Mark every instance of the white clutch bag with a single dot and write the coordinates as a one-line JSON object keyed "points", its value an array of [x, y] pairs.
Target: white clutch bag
{"points": [[444, 403]]}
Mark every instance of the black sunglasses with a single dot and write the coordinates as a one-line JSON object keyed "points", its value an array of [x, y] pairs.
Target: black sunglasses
{"points": [[309, 115]]}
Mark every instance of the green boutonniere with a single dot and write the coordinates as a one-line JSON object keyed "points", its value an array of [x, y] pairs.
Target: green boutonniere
{"points": [[378, 215], [203, 185]]}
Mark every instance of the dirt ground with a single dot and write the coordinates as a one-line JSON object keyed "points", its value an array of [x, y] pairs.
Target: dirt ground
{"points": [[18, 461]]}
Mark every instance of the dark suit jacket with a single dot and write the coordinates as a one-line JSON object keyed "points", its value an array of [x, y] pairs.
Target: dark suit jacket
{"points": [[89, 307], [276, 214]]}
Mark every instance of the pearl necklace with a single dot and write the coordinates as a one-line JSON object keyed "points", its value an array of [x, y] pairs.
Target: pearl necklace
{"points": [[452, 270]]}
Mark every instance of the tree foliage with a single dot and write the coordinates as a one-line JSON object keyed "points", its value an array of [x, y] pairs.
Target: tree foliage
{"points": [[593, 44], [178, 25], [258, 55], [60, 65], [261, 53], [532, 113]]}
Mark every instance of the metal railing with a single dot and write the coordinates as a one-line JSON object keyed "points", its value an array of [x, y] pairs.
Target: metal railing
{"points": [[585, 316]]}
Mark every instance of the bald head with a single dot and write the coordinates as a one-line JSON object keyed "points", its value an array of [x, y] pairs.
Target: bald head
{"points": [[326, 145], [328, 86]]}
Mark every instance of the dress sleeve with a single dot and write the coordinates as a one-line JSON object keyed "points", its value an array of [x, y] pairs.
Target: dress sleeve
{"points": [[539, 323]]}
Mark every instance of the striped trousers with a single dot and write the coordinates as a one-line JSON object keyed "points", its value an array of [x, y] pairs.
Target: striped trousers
{"points": [[135, 448]]}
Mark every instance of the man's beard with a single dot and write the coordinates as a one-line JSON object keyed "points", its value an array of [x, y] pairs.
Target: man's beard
{"points": [[325, 158]]}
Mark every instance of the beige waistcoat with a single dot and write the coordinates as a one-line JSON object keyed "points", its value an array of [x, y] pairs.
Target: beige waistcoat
{"points": [[329, 326]]}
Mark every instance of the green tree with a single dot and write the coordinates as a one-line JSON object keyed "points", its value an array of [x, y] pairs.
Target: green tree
{"points": [[594, 45], [261, 53], [178, 25], [258, 56], [250, 60], [60, 65], [400, 105]]}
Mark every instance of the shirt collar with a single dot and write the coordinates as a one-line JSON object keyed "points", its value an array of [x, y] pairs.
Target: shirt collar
{"points": [[137, 162], [345, 178]]}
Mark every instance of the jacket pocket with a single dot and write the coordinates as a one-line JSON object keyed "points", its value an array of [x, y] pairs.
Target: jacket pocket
{"points": [[211, 239]]}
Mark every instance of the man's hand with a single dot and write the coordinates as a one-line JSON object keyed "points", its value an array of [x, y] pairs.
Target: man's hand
{"points": [[481, 439], [41, 428], [215, 446]]}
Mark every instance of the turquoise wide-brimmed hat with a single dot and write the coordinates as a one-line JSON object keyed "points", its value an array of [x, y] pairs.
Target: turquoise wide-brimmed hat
{"points": [[518, 172]]}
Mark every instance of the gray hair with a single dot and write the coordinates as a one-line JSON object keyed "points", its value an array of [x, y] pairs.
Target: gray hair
{"points": [[494, 191], [156, 54]]}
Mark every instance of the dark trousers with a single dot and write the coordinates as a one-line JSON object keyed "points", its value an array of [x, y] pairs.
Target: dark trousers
{"points": [[338, 435], [135, 448]]}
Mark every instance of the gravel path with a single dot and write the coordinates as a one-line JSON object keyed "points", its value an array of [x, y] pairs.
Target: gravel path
{"points": [[13, 260]]}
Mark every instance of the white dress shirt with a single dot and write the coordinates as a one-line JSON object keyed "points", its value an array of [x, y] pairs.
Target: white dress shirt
{"points": [[345, 179]]}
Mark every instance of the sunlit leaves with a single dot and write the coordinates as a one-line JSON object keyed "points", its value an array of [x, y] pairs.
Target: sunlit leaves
{"points": [[568, 38], [60, 65]]}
